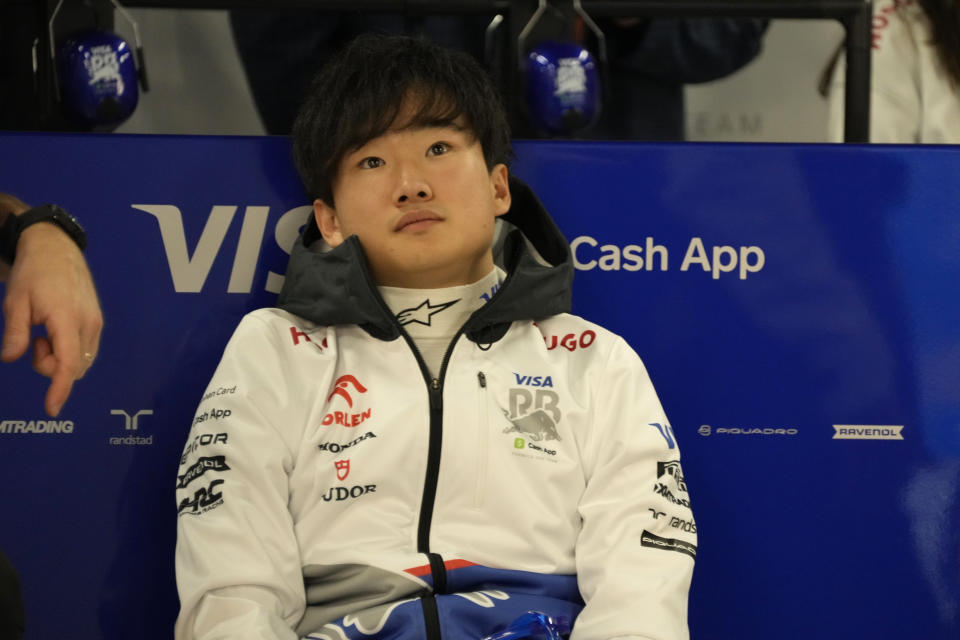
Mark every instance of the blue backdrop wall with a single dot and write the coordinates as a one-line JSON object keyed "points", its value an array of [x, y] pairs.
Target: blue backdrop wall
{"points": [[796, 305]]}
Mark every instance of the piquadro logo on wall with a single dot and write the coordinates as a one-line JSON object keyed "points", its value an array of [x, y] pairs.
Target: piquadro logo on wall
{"points": [[131, 422], [867, 432], [706, 430]]}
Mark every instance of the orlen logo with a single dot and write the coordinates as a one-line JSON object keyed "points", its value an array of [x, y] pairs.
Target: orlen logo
{"points": [[341, 386], [344, 387], [189, 272]]}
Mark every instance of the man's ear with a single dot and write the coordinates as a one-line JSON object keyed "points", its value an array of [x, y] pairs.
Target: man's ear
{"points": [[500, 183], [327, 222]]}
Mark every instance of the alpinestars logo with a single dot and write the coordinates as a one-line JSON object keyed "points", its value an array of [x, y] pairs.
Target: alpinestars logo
{"points": [[422, 313]]}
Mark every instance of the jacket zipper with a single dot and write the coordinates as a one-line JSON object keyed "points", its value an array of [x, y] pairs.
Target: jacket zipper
{"points": [[437, 569], [483, 437]]}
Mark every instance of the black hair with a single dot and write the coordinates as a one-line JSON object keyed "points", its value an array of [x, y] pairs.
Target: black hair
{"points": [[359, 94]]}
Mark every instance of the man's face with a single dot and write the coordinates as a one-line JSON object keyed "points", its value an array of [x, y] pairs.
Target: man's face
{"points": [[423, 205]]}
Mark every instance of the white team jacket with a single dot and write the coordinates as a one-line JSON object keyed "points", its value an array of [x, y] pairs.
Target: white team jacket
{"points": [[912, 98], [329, 489]]}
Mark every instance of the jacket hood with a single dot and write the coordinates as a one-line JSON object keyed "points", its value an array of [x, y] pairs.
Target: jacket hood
{"points": [[334, 286]]}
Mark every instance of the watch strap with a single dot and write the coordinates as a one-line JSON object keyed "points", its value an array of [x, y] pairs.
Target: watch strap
{"points": [[9, 234], [15, 225]]}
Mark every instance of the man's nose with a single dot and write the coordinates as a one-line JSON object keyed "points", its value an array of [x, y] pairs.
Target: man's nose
{"points": [[411, 187]]}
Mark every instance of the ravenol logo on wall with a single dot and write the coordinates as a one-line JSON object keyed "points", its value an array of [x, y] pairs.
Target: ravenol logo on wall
{"points": [[867, 432]]}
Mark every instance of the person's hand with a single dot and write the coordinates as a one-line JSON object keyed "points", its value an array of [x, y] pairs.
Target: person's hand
{"points": [[50, 284]]}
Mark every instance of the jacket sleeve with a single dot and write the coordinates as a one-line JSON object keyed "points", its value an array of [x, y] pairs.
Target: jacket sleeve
{"points": [[636, 550], [237, 561]]}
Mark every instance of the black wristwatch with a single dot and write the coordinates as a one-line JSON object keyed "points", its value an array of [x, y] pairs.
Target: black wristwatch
{"points": [[14, 226]]}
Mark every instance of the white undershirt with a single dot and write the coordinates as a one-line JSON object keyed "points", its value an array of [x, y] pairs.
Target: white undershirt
{"points": [[433, 316]]}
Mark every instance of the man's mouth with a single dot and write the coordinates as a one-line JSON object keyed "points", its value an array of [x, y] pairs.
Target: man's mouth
{"points": [[416, 220]]}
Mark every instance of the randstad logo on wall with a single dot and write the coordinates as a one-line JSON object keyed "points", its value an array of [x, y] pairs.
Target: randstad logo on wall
{"points": [[589, 254], [131, 422]]}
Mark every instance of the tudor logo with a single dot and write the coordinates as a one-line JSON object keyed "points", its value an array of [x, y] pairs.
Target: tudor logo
{"points": [[338, 494], [342, 384], [343, 469]]}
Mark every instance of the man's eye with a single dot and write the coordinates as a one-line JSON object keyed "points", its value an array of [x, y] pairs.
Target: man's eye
{"points": [[371, 163], [438, 148]]}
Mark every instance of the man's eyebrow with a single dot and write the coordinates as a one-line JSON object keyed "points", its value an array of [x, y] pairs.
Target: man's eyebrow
{"points": [[432, 124], [415, 126]]}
